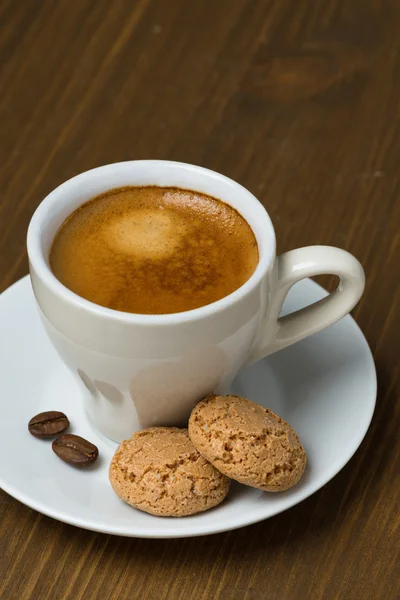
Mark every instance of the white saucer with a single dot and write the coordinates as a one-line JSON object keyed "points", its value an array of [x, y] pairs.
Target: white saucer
{"points": [[324, 386]]}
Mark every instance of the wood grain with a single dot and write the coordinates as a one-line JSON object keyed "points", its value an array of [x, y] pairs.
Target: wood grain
{"points": [[298, 101]]}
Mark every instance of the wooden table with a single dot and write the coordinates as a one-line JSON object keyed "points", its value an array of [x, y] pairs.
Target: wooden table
{"points": [[298, 101]]}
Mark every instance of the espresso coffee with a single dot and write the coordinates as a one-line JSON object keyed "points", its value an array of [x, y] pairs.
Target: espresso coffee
{"points": [[154, 250]]}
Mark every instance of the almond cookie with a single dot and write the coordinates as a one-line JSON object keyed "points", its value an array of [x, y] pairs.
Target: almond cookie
{"points": [[247, 442], [160, 472]]}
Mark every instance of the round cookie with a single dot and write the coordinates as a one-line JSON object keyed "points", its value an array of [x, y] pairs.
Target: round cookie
{"points": [[160, 472], [247, 442]]}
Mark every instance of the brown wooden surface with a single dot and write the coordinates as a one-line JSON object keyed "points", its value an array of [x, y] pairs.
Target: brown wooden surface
{"points": [[297, 100]]}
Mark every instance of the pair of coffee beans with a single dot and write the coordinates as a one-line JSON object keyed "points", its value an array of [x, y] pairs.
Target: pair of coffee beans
{"points": [[71, 448]]}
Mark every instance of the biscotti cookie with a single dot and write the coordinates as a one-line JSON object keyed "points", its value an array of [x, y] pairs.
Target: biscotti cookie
{"points": [[247, 442], [160, 472]]}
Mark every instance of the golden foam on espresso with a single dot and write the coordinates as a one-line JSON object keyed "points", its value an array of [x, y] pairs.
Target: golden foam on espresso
{"points": [[154, 250], [146, 233]]}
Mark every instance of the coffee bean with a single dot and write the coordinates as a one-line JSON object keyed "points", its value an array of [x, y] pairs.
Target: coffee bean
{"points": [[47, 424], [75, 450]]}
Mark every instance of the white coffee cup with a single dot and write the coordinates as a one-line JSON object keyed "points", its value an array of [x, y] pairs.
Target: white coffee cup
{"points": [[145, 370]]}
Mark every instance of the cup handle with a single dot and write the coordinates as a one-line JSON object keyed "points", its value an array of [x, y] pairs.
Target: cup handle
{"points": [[279, 332]]}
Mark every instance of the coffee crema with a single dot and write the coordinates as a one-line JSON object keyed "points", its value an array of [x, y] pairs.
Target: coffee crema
{"points": [[154, 250]]}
